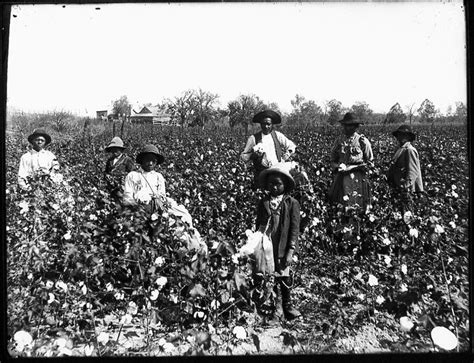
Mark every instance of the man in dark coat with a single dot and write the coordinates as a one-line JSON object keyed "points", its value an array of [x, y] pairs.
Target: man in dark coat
{"points": [[404, 174]]}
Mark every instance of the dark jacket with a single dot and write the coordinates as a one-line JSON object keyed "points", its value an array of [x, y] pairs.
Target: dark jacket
{"points": [[122, 167], [289, 222], [115, 174], [405, 171]]}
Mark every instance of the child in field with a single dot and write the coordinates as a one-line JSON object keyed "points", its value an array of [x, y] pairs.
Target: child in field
{"points": [[37, 162], [147, 187], [278, 215], [117, 167]]}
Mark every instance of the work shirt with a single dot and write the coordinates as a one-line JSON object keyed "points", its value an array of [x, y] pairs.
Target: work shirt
{"points": [[33, 163], [268, 146], [141, 186]]}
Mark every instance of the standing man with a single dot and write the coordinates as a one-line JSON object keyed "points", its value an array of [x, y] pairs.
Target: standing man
{"points": [[37, 162], [404, 174], [267, 147]]}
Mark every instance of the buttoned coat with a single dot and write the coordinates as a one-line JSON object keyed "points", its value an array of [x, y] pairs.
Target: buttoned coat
{"points": [[405, 170], [289, 222]]}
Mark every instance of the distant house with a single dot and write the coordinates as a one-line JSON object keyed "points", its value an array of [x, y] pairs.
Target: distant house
{"points": [[102, 115], [151, 115]]}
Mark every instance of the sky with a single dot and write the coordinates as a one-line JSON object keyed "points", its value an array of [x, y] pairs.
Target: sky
{"points": [[82, 57]]}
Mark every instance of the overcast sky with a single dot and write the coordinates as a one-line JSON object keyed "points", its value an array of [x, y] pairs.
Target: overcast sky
{"points": [[80, 58]]}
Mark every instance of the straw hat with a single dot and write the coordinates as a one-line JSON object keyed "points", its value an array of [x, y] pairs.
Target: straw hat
{"points": [[39, 132], [275, 117], [405, 130], [116, 142], [277, 169], [150, 149]]}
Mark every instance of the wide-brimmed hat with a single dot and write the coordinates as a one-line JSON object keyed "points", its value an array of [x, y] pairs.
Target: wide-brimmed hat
{"points": [[150, 149], [275, 117], [350, 119], [406, 130], [277, 169], [39, 132], [116, 142]]}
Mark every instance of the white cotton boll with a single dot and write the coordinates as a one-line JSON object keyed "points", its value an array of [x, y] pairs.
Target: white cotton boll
{"points": [[406, 324], [22, 339], [239, 332], [380, 300], [413, 232], [404, 269], [103, 338], [161, 281], [439, 229], [373, 281], [159, 261]]}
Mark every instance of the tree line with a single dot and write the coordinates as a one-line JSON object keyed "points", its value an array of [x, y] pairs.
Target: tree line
{"points": [[200, 108]]}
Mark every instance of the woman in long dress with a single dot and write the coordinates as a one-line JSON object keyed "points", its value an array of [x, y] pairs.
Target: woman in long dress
{"points": [[351, 156]]}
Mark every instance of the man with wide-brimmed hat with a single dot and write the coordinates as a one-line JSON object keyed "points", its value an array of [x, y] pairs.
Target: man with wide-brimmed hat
{"points": [[37, 162], [351, 157], [117, 167], [404, 174], [268, 146]]}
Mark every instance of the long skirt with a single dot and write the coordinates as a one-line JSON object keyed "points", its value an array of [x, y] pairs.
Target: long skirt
{"points": [[350, 189]]}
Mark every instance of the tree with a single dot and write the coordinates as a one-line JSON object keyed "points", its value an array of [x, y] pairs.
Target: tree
{"points": [[204, 106], [121, 107], [59, 119], [395, 115], [427, 111], [361, 110], [410, 108], [333, 111], [242, 110], [182, 107], [304, 112], [461, 112]]}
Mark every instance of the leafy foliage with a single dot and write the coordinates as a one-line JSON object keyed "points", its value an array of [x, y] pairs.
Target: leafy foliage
{"points": [[87, 277]]}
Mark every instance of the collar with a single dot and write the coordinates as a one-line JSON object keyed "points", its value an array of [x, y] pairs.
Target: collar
{"points": [[146, 172], [33, 151], [406, 145]]}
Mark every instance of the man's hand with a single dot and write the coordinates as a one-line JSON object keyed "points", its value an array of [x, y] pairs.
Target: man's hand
{"points": [[287, 261]]}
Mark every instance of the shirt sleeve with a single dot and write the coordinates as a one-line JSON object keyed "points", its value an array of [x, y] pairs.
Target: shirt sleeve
{"points": [[161, 185], [412, 166], [128, 189], [129, 165], [247, 153], [23, 171], [54, 162], [288, 146], [294, 231], [334, 155], [366, 150]]}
